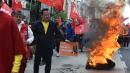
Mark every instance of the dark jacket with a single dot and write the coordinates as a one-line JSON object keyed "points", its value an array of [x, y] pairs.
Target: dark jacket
{"points": [[45, 42]]}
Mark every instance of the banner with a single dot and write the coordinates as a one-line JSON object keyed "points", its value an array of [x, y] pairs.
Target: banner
{"points": [[17, 5], [68, 49], [57, 4]]}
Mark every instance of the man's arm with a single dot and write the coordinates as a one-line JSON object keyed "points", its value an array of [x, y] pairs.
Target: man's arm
{"points": [[18, 47], [34, 30], [57, 32], [17, 63]]}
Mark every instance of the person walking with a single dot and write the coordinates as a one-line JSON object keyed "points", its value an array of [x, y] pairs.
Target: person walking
{"points": [[44, 33]]}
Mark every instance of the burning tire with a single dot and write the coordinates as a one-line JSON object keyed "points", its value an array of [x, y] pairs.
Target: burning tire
{"points": [[105, 44], [110, 65]]}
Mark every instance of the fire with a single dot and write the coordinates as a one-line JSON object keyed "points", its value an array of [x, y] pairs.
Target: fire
{"points": [[102, 51]]}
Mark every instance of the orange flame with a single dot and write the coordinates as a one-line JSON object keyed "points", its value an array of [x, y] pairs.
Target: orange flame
{"points": [[108, 45]]}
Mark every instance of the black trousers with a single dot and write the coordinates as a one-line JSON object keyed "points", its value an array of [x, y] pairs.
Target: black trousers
{"points": [[46, 58], [57, 45]]}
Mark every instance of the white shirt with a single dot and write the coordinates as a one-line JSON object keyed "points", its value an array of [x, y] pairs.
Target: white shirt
{"points": [[30, 33]]}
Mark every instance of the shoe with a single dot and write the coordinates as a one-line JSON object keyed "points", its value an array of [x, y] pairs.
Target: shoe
{"points": [[57, 55]]}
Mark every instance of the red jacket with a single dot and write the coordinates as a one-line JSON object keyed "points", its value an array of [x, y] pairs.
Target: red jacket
{"points": [[24, 35], [11, 43]]}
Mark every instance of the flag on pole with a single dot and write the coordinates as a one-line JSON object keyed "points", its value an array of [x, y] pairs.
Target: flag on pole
{"points": [[5, 8], [75, 16], [83, 27], [74, 12], [57, 4], [47, 2], [17, 5]]}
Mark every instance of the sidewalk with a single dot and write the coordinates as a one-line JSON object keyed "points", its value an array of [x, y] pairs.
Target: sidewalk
{"points": [[76, 65]]}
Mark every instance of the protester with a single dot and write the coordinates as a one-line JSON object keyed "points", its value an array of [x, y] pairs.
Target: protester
{"points": [[11, 45], [44, 40], [26, 35]]}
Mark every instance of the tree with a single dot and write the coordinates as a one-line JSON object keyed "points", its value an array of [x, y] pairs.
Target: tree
{"points": [[34, 7], [58, 14]]}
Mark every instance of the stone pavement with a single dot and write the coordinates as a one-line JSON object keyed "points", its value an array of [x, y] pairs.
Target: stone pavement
{"points": [[76, 64]]}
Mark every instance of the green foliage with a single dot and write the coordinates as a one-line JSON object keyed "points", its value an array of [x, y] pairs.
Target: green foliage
{"points": [[60, 14], [34, 11], [34, 7]]}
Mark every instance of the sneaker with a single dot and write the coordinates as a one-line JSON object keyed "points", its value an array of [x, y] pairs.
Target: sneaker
{"points": [[57, 55]]}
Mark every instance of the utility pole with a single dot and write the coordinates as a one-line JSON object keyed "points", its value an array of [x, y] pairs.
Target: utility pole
{"points": [[68, 8]]}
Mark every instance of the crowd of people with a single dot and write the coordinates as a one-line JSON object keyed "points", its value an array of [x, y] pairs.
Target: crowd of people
{"points": [[17, 37], [124, 39]]}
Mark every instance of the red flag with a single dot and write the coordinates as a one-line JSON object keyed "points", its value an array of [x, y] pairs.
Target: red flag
{"points": [[83, 27], [16, 5], [74, 12], [76, 19], [47, 2], [5, 8], [57, 4], [79, 29]]}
